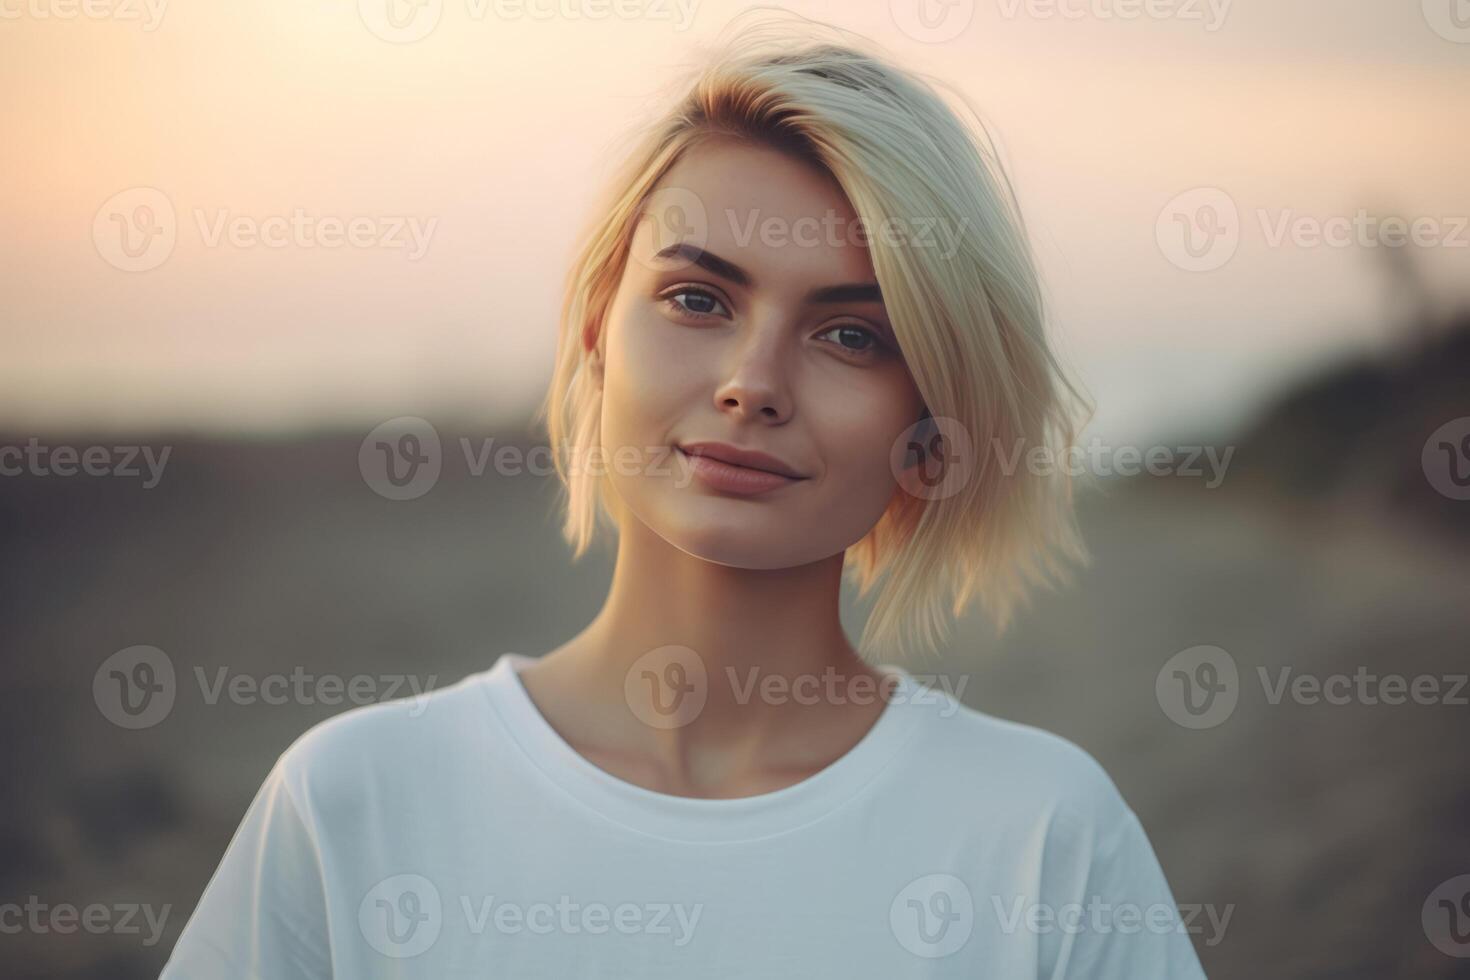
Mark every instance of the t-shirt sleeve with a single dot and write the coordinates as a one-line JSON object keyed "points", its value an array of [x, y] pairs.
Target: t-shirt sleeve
{"points": [[263, 914], [1125, 925]]}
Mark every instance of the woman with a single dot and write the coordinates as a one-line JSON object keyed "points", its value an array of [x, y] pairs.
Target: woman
{"points": [[790, 341]]}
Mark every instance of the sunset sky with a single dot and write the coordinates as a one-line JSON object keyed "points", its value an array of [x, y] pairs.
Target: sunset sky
{"points": [[490, 133]]}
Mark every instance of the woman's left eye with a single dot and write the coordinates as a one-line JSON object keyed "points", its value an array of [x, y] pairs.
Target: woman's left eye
{"points": [[853, 331], [697, 302]]}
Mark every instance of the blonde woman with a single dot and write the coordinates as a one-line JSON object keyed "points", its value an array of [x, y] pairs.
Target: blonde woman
{"points": [[803, 315]]}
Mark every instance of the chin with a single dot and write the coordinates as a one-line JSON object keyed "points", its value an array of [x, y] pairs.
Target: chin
{"points": [[730, 539]]}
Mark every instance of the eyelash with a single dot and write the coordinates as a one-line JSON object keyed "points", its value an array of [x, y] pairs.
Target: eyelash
{"points": [[879, 345]]}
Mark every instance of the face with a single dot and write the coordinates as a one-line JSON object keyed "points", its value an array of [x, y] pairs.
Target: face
{"points": [[760, 327]]}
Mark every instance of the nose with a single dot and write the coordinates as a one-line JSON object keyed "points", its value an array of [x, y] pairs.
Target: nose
{"points": [[756, 386]]}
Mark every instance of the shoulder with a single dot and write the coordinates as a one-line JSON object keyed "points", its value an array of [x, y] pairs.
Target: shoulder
{"points": [[343, 761], [1018, 770]]}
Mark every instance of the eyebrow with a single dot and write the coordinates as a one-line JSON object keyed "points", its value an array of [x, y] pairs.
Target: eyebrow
{"points": [[848, 292]]}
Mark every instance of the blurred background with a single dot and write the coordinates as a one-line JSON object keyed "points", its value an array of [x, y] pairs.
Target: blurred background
{"points": [[239, 238]]}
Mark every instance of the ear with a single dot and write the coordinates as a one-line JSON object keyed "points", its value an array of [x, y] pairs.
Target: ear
{"points": [[592, 344], [594, 358]]}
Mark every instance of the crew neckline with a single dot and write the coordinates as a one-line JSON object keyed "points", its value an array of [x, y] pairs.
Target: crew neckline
{"points": [[687, 818]]}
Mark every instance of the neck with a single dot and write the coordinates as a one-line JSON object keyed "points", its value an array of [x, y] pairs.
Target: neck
{"points": [[723, 668]]}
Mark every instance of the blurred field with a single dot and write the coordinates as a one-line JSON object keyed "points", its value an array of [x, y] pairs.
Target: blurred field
{"points": [[1324, 826]]}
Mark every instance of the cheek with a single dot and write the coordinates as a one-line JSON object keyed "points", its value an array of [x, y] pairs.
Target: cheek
{"points": [[856, 432], [638, 387]]}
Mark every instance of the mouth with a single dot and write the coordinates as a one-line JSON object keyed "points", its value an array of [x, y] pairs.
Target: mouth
{"points": [[733, 478], [744, 459]]}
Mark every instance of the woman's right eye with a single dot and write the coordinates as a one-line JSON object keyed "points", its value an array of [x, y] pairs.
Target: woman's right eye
{"points": [[695, 302]]}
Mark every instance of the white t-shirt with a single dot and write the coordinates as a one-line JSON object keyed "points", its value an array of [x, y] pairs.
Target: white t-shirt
{"points": [[457, 835]]}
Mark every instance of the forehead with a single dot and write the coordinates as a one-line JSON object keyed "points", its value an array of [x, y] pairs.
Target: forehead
{"points": [[783, 219]]}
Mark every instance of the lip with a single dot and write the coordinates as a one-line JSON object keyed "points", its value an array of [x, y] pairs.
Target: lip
{"points": [[728, 477], [745, 458]]}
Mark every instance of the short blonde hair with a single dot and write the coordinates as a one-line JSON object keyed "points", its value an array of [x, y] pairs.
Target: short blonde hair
{"points": [[970, 324]]}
